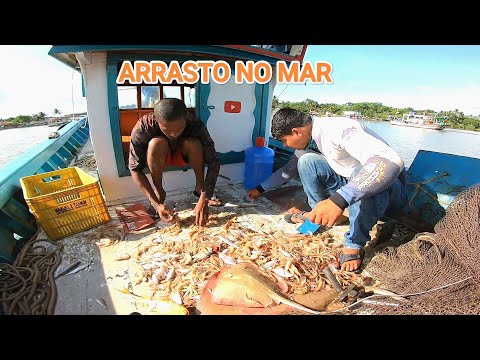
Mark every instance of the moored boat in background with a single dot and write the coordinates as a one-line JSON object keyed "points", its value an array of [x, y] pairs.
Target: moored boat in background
{"points": [[421, 121]]}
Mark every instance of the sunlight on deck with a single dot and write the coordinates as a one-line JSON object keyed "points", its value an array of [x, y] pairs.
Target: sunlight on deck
{"points": [[106, 285], [85, 291]]}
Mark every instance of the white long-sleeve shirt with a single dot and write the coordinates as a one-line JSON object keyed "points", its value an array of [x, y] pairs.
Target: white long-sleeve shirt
{"points": [[347, 143]]}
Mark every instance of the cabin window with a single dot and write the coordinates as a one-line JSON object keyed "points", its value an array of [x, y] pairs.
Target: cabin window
{"points": [[172, 92], [146, 96], [150, 95], [127, 97]]}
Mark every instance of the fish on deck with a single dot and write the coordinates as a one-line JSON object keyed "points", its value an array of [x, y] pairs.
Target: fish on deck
{"points": [[241, 285]]}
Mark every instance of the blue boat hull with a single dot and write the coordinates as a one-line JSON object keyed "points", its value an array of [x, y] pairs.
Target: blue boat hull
{"points": [[17, 224], [434, 180]]}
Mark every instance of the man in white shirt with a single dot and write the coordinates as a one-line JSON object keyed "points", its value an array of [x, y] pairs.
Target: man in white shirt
{"points": [[356, 169]]}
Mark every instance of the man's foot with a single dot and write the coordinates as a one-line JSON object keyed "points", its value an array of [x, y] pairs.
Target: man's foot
{"points": [[351, 259], [153, 212]]}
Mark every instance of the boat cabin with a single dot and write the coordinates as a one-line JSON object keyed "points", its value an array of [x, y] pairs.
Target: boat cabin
{"points": [[235, 114]]}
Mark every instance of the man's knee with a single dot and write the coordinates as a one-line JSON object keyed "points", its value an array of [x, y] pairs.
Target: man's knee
{"points": [[191, 144], [309, 162], [158, 146], [157, 149]]}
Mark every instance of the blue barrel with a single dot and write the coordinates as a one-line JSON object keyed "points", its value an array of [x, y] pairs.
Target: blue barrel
{"points": [[258, 164]]}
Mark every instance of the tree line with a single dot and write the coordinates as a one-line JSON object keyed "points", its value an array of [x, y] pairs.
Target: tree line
{"points": [[377, 111], [28, 119]]}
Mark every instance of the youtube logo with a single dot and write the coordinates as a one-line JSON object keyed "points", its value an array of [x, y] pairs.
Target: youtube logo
{"points": [[232, 107]]}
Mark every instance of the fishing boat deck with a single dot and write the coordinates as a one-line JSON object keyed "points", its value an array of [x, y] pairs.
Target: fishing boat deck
{"points": [[83, 291]]}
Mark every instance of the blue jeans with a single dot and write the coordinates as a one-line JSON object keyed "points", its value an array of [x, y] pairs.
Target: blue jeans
{"points": [[319, 181]]}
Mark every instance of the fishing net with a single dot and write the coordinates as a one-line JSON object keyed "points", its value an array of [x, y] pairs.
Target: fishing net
{"points": [[430, 263]]}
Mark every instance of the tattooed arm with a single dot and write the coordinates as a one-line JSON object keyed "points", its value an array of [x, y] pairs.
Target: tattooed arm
{"points": [[282, 175], [381, 165]]}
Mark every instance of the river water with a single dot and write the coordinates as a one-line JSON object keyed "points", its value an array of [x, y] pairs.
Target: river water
{"points": [[405, 140], [408, 140], [14, 142]]}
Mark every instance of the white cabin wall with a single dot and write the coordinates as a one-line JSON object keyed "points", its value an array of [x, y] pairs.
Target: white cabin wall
{"points": [[231, 131], [117, 189], [95, 77]]}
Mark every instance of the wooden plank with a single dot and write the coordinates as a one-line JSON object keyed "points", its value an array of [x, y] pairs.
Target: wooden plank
{"points": [[72, 294], [75, 142], [65, 154], [57, 159]]}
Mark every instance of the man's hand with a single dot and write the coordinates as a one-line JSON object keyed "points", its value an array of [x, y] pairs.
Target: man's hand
{"points": [[254, 194], [165, 214], [325, 213], [201, 210]]}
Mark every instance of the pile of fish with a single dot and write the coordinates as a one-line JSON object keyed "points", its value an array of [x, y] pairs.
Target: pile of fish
{"points": [[177, 266]]}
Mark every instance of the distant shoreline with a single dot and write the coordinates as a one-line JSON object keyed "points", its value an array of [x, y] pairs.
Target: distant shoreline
{"points": [[473, 132], [22, 126], [26, 121], [363, 119], [30, 125]]}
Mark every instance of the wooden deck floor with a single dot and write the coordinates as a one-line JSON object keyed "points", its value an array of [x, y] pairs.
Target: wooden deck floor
{"points": [[82, 293]]}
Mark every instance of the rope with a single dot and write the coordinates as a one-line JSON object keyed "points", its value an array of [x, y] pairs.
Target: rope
{"points": [[418, 186], [28, 286], [278, 97], [84, 125]]}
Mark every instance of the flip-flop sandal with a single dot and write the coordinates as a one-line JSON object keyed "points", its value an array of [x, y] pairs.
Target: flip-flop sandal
{"points": [[289, 217], [349, 257], [153, 213], [214, 197]]}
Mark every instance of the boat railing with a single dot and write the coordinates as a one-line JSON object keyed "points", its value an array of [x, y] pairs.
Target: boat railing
{"points": [[17, 224]]}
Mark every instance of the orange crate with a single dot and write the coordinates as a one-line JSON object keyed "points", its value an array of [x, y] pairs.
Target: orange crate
{"points": [[65, 201]]}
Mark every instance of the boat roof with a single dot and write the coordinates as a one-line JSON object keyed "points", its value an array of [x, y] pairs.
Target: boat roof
{"points": [[66, 53], [418, 115]]}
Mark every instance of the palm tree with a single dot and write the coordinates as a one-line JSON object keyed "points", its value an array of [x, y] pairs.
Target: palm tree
{"points": [[275, 102], [57, 112], [40, 116], [311, 105]]}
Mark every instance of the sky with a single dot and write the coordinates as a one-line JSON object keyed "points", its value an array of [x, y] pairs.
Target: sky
{"points": [[31, 81], [434, 77], [418, 76]]}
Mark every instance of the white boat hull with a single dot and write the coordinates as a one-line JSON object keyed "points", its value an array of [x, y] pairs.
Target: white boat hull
{"points": [[424, 126]]}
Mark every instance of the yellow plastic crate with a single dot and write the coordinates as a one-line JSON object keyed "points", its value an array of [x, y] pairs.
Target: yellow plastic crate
{"points": [[65, 201]]}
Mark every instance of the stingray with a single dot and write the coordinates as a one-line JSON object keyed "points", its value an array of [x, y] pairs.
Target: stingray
{"points": [[241, 285]]}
